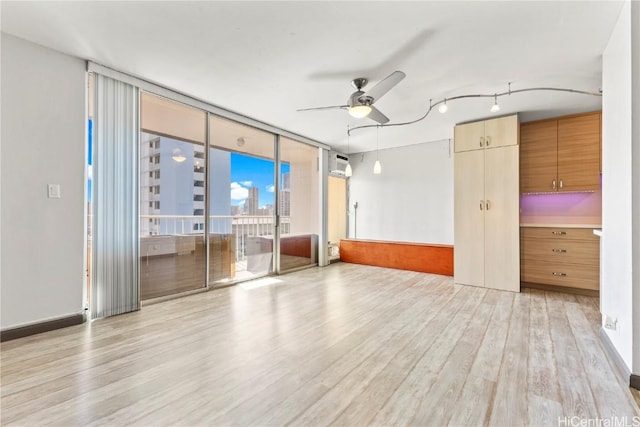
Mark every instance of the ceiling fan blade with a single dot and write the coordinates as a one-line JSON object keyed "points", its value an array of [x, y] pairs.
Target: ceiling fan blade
{"points": [[385, 85], [324, 108], [377, 116]]}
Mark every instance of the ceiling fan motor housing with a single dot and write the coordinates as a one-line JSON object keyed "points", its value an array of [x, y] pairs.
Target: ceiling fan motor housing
{"points": [[357, 98]]}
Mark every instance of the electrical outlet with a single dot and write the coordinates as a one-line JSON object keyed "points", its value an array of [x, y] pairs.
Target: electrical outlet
{"points": [[610, 323]]}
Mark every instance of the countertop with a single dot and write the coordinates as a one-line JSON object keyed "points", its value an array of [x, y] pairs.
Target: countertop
{"points": [[562, 225]]}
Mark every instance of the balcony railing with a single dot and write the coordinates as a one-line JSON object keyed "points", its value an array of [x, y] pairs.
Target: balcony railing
{"points": [[240, 227]]}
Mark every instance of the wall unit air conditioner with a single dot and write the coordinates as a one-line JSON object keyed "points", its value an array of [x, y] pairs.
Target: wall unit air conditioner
{"points": [[337, 163]]}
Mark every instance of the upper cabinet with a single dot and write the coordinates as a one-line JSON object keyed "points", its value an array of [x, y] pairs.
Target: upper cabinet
{"points": [[560, 154], [492, 133]]}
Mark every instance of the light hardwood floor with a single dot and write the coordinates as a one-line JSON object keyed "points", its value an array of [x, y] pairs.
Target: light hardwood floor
{"points": [[341, 345]]}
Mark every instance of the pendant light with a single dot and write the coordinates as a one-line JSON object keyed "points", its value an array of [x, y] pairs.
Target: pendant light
{"points": [[348, 171], [377, 167]]}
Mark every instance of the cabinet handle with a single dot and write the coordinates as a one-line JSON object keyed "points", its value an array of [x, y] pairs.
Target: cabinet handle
{"points": [[481, 204], [559, 233], [559, 251], [488, 140], [482, 141], [559, 274], [561, 184], [553, 184], [488, 204]]}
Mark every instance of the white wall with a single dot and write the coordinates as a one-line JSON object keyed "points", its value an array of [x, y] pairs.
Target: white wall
{"points": [[635, 95], [43, 141], [617, 222], [411, 201]]}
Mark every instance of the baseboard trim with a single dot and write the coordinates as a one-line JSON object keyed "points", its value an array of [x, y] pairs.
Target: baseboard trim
{"points": [[563, 289], [615, 356], [40, 327], [634, 381]]}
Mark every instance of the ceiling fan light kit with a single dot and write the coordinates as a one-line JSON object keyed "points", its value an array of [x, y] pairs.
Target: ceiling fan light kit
{"points": [[359, 111]]}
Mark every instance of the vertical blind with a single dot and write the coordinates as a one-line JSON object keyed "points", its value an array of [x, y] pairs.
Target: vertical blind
{"points": [[114, 281]]}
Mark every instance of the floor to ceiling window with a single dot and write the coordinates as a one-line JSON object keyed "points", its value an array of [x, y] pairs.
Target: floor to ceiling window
{"points": [[172, 197], [235, 181]]}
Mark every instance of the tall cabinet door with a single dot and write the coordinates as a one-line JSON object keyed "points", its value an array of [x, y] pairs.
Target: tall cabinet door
{"points": [[501, 219], [469, 218]]}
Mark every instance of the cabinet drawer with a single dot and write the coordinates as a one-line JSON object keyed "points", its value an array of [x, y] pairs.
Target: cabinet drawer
{"points": [[585, 234], [561, 250], [560, 274]]}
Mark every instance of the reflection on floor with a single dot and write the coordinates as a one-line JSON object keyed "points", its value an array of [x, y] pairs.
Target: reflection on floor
{"points": [[173, 273], [169, 274]]}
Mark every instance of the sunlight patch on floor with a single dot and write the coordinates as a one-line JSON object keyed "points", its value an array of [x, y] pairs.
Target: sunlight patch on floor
{"points": [[259, 283]]}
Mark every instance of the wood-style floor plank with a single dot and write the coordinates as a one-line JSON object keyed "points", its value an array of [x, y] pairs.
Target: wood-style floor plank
{"points": [[510, 403], [543, 390], [341, 345], [576, 394]]}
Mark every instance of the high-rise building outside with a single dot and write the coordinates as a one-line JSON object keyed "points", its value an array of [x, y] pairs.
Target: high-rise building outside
{"points": [[251, 204], [172, 183], [285, 195]]}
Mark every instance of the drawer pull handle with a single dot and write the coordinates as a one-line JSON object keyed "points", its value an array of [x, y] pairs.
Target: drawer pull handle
{"points": [[559, 233], [559, 251], [559, 274]]}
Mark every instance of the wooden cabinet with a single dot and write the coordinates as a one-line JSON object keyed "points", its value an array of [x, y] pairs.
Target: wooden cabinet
{"points": [[561, 154], [491, 133], [486, 209], [564, 257]]}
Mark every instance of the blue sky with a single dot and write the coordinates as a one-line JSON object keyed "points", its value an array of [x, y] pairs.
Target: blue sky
{"points": [[248, 171]]}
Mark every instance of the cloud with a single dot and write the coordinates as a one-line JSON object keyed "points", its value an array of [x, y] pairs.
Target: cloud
{"points": [[246, 183], [238, 192], [270, 188]]}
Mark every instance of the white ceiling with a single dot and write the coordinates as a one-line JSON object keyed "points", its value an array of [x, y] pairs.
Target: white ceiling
{"points": [[266, 59]]}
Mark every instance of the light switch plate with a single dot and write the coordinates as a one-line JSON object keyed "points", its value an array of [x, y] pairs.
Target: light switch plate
{"points": [[53, 190]]}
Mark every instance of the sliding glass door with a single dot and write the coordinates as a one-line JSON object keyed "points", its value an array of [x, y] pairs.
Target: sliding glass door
{"points": [[191, 163], [172, 197], [298, 202], [242, 209]]}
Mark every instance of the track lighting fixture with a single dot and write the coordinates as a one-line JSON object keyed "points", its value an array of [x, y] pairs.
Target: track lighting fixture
{"points": [[495, 107], [443, 107]]}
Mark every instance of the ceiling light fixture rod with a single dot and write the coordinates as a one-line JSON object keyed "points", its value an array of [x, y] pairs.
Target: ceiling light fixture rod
{"points": [[492, 95]]}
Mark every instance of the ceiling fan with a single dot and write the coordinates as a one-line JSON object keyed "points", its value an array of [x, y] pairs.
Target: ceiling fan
{"points": [[360, 103]]}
